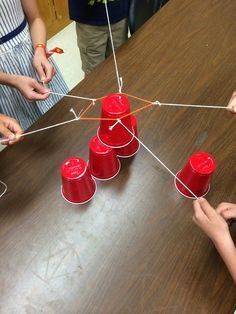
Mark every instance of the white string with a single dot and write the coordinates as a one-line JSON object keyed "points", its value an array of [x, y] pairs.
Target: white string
{"points": [[192, 106], [120, 83], [4, 184], [119, 79], [119, 121], [77, 117], [46, 128], [71, 96]]}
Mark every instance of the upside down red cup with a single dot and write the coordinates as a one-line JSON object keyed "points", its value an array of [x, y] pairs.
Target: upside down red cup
{"points": [[78, 186], [196, 175], [133, 147], [114, 107], [103, 162]]}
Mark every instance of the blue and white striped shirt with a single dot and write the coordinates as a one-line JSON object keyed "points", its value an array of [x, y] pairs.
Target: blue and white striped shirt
{"points": [[11, 16], [16, 57]]}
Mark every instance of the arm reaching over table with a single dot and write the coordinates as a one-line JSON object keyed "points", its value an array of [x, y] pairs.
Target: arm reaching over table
{"points": [[213, 223], [232, 103]]}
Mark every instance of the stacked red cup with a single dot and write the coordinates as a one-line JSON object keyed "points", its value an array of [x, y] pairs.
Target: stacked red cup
{"points": [[133, 147], [113, 140], [114, 107], [103, 162], [78, 186]]}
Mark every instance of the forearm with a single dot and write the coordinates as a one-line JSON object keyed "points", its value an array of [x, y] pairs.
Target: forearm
{"points": [[38, 31], [227, 251], [8, 79], [36, 24]]}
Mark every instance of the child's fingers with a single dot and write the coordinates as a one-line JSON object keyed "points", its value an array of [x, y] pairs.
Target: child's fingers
{"points": [[199, 215], [207, 209], [230, 213], [223, 206]]}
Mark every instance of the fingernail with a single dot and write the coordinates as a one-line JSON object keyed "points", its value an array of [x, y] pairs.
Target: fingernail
{"points": [[11, 137]]}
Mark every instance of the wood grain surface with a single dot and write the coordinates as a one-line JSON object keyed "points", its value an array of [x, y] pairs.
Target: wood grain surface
{"points": [[134, 247]]}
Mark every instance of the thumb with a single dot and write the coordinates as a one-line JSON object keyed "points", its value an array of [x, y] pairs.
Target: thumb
{"points": [[206, 208], [198, 212]]}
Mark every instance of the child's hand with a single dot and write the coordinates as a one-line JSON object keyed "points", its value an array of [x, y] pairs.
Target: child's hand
{"points": [[43, 67], [227, 210], [30, 88], [215, 226], [232, 103], [10, 129], [211, 222]]}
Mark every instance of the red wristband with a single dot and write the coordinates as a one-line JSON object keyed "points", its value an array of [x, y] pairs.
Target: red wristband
{"points": [[50, 52], [40, 46]]}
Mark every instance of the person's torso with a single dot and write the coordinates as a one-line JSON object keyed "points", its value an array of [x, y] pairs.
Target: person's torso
{"points": [[11, 18], [93, 12]]}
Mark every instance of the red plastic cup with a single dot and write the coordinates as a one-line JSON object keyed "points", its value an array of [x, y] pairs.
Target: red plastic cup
{"points": [[78, 186], [133, 147], [114, 107], [103, 162], [196, 175]]}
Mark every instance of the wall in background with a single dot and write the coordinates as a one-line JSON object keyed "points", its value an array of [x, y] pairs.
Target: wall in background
{"points": [[55, 15]]}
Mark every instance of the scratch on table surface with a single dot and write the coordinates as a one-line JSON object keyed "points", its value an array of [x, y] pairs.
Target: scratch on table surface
{"points": [[77, 255], [46, 272], [59, 264], [57, 252], [39, 277]]}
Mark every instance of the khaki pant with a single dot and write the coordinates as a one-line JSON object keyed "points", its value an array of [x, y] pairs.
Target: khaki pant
{"points": [[94, 42]]}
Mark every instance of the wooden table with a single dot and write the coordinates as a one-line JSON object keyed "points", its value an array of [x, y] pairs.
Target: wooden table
{"points": [[134, 247]]}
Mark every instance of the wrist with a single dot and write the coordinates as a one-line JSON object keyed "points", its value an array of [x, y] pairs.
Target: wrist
{"points": [[16, 81], [223, 241], [40, 49]]}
